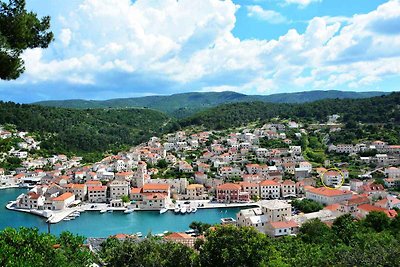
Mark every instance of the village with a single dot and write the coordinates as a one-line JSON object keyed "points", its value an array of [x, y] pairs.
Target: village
{"points": [[186, 170]]}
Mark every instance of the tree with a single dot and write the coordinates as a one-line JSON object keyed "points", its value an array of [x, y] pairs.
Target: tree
{"points": [[345, 228], [19, 30], [232, 246], [315, 231], [378, 221], [149, 252], [29, 247], [125, 199]]}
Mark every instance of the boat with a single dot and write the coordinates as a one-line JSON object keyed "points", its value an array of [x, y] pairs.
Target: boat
{"points": [[66, 219], [127, 211], [110, 211], [139, 234], [165, 232], [189, 210], [103, 211], [183, 210], [177, 210], [76, 214], [194, 210], [164, 210]]}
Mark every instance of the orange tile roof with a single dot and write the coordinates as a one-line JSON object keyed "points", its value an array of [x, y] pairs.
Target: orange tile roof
{"points": [[229, 186], [156, 187], [76, 186], [178, 236], [288, 224], [135, 190], [63, 197], [332, 207], [328, 192], [93, 182], [268, 182], [369, 208], [97, 188]]}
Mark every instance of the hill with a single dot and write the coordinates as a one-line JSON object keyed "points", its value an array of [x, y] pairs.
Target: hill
{"points": [[85, 131], [186, 104], [381, 109]]}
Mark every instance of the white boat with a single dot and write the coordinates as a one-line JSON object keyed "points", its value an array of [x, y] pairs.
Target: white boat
{"points": [[164, 210], [103, 211], [128, 211], [189, 210], [67, 219], [76, 214], [177, 210], [183, 210], [139, 234], [110, 211], [194, 210]]}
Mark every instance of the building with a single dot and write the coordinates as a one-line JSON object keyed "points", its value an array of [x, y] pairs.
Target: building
{"points": [[153, 201], [252, 217], [97, 193], [63, 201], [230, 192], [327, 196], [277, 229], [269, 190], [118, 189], [288, 188], [157, 188], [196, 192], [79, 190], [276, 210], [182, 238], [31, 200], [252, 189], [333, 178]]}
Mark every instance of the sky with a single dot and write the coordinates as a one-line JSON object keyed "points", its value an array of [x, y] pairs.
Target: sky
{"points": [[107, 49]]}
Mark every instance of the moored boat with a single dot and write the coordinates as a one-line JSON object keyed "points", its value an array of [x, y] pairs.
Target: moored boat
{"points": [[127, 211], [194, 210], [177, 210], [103, 211], [183, 210], [164, 210], [139, 234]]}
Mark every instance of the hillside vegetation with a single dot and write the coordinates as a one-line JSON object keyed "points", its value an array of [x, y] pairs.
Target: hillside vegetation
{"points": [[89, 130], [186, 104], [382, 109]]}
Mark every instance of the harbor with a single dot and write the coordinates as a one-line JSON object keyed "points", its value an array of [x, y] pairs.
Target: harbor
{"points": [[95, 224]]}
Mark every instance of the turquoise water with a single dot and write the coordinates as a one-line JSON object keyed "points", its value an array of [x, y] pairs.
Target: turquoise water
{"points": [[94, 224]]}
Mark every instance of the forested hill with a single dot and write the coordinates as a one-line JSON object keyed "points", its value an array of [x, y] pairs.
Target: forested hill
{"points": [[380, 109], [181, 105], [89, 130]]}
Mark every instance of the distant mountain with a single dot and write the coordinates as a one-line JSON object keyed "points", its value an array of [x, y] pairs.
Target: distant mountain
{"points": [[186, 104], [380, 109]]}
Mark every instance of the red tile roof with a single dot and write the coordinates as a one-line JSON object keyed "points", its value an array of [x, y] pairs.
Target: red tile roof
{"points": [[328, 192], [288, 224], [63, 197], [229, 186]]}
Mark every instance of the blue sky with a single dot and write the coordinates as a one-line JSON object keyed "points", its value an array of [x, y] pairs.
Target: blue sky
{"points": [[121, 48]]}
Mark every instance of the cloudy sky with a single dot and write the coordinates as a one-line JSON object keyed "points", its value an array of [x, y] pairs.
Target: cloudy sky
{"points": [[122, 48]]}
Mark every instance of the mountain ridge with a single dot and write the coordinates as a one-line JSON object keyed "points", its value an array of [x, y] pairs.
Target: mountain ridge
{"points": [[186, 104]]}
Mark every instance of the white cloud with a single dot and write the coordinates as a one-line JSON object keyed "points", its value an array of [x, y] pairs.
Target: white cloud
{"points": [[301, 3], [267, 15], [65, 36], [190, 44]]}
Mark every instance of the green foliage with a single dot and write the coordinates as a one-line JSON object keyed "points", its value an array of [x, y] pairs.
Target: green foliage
{"points": [[10, 163], [19, 30], [382, 109], [186, 104], [232, 246], [149, 252], [28, 247], [307, 205], [272, 143], [92, 131], [199, 226], [378, 221], [125, 199]]}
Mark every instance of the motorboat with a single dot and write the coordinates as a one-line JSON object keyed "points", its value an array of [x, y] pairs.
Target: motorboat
{"points": [[189, 210], [110, 211], [67, 219], [139, 234], [183, 210], [127, 211], [103, 211], [164, 210], [177, 210], [194, 209]]}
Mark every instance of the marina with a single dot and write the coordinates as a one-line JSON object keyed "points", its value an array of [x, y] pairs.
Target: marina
{"points": [[95, 224]]}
